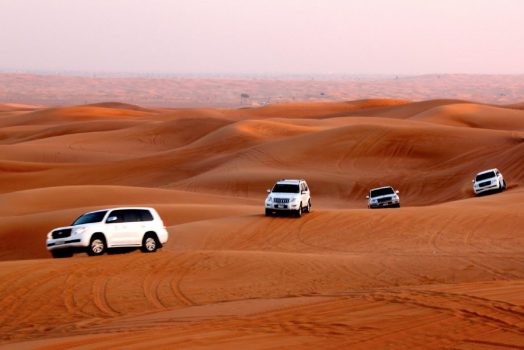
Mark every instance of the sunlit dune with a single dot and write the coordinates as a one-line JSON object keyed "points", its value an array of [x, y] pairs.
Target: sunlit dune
{"points": [[446, 270]]}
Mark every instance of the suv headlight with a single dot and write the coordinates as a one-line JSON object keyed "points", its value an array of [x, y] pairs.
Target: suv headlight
{"points": [[269, 199], [79, 230], [293, 200]]}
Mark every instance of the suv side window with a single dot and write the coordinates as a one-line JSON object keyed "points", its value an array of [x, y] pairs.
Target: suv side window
{"points": [[119, 216], [145, 215], [126, 215], [132, 215]]}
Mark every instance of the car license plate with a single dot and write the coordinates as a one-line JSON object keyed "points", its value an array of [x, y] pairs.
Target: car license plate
{"points": [[281, 206], [59, 242]]}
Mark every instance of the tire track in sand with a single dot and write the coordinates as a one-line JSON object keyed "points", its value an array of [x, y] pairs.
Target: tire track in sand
{"points": [[176, 283], [153, 280], [99, 292]]}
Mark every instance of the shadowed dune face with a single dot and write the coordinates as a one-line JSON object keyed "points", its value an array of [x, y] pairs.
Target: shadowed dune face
{"points": [[444, 271]]}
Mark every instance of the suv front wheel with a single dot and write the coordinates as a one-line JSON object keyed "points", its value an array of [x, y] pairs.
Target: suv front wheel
{"points": [[299, 211], [97, 245], [308, 208]]}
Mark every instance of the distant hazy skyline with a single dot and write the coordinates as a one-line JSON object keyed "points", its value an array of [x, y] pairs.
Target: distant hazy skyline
{"points": [[263, 36]]}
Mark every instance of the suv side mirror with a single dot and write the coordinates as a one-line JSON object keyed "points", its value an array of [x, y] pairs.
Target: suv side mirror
{"points": [[268, 190], [367, 197], [397, 191], [111, 219], [473, 181]]}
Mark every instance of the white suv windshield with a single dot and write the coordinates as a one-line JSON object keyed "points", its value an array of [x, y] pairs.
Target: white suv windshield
{"points": [[485, 176], [382, 192], [286, 188], [90, 218]]}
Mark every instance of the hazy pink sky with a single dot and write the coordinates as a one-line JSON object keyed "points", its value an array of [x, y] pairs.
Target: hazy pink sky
{"points": [[263, 36]]}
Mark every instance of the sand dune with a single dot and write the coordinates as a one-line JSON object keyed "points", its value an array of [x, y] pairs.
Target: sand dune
{"points": [[52, 90], [475, 116], [444, 271]]}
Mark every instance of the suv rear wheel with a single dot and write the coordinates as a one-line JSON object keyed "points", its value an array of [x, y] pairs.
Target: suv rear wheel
{"points": [[150, 243]]}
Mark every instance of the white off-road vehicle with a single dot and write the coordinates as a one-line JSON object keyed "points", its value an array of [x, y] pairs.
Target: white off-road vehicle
{"points": [[488, 180], [383, 197], [99, 230], [289, 196]]}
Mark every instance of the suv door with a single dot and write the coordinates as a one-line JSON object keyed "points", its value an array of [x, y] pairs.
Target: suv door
{"points": [[116, 228], [135, 228]]}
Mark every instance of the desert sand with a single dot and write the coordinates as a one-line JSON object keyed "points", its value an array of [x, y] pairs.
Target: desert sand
{"points": [[445, 271], [225, 91]]}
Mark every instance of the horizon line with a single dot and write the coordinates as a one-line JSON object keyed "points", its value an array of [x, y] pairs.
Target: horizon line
{"points": [[337, 76]]}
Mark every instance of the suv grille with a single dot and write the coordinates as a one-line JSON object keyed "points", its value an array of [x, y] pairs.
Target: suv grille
{"points": [[482, 184], [61, 233], [281, 200], [384, 199]]}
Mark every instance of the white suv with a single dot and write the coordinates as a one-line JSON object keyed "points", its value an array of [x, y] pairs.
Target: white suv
{"points": [[289, 196], [109, 228], [383, 197], [488, 180]]}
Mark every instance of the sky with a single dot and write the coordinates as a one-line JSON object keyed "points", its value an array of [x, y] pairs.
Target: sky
{"points": [[263, 36]]}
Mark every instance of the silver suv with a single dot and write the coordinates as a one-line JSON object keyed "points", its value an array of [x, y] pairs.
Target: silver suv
{"points": [[383, 197], [288, 196], [489, 180], [99, 230]]}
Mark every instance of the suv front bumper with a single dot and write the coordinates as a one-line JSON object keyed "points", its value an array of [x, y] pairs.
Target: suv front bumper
{"points": [[283, 206], [73, 241], [384, 204], [491, 187]]}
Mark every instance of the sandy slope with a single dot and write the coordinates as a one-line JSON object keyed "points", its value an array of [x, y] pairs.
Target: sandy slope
{"points": [[444, 271]]}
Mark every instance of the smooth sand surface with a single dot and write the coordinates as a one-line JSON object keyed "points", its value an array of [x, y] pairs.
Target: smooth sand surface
{"points": [[445, 271]]}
